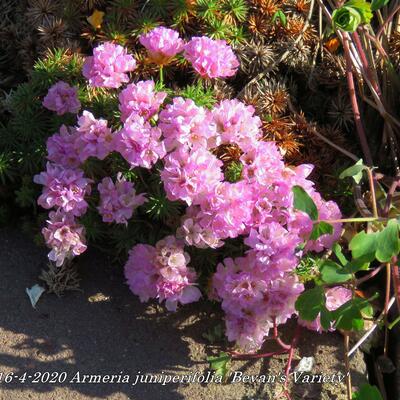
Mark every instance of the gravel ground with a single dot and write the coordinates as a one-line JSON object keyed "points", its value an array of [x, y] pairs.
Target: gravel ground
{"points": [[104, 330]]}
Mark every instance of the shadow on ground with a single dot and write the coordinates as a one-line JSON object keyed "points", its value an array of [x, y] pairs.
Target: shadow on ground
{"points": [[105, 330]]}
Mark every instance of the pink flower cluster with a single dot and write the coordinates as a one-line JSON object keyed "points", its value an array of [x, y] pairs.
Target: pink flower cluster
{"points": [[64, 236], [162, 44], [64, 189], [118, 200], [335, 297], [139, 143], [140, 99], [94, 138], [252, 302], [108, 67], [258, 290], [211, 58], [184, 123], [161, 272], [62, 98]]}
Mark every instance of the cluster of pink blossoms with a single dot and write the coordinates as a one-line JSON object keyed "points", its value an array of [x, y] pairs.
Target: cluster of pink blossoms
{"points": [[109, 65], [209, 58], [118, 200], [257, 290], [140, 99], [161, 272], [64, 189], [64, 236], [62, 98], [253, 302], [162, 44]]}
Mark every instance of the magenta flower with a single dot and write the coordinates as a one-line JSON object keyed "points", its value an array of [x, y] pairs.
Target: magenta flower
{"points": [[162, 273], [211, 58], [109, 66], [140, 99], [94, 137], [139, 143], [162, 44], [63, 188], [64, 236], [118, 200], [188, 175], [184, 123], [235, 123], [62, 98], [61, 148]]}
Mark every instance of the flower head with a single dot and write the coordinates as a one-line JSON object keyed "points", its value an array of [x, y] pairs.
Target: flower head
{"points": [[161, 272], [62, 98], [61, 148], [118, 200], [139, 143], [64, 236], [94, 137], [162, 44], [211, 58], [140, 99], [109, 65], [63, 188]]}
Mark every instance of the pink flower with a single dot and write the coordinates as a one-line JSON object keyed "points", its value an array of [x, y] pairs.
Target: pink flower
{"points": [[94, 137], [252, 302], [141, 272], [335, 297], [109, 65], [162, 44], [139, 143], [62, 98], [184, 123], [64, 236], [235, 123], [61, 148], [275, 248], [190, 174], [162, 273], [211, 58], [118, 200], [140, 99], [63, 188]]}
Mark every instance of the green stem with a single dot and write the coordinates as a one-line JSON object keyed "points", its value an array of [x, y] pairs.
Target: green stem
{"points": [[162, 75], [392, 324], [366, 219]]}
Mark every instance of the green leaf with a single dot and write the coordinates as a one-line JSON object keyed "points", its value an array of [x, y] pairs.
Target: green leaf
{"points": [[376, 4], [349, 316], [357, 264], [355, 171], [337, 250], [281, 16], [364, 245], [321, 228], [388, 242], [303, 202], [310, 303], [367, 392], [332, 272], [220, 364], [325, 318]]}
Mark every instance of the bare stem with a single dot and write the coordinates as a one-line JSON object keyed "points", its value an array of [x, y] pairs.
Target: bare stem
{"points": [[354, 103], [385, 311], [347, 365]]}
